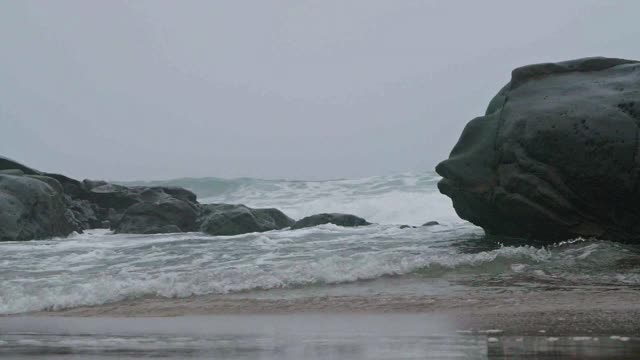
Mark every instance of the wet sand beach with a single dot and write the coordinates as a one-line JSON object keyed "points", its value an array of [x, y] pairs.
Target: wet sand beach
{"points": [[320, 336], [552, 324], [327, 292]]}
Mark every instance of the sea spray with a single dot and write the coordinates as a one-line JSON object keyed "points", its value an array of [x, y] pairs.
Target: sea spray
{"points": [[99, 267]]}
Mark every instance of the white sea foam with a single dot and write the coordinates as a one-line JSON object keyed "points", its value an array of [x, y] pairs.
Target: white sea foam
{"points": [[99, 267], [399, 199]]}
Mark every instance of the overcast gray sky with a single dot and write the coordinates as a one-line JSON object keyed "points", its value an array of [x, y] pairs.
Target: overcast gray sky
{"points": [[273, 89]]}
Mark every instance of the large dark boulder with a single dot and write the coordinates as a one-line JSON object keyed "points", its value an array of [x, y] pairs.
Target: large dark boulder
{"points": [[31, 208], [159, 212], [119, 197], [113, 196], [229, 219], [555, 156], [336, 219], [36, 205]]}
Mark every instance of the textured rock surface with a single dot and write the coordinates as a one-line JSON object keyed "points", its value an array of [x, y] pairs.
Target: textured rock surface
{"points": [[31, 209], [113, 196], [159, 212], [336, 219], [84, 214], [71, 186], [228, 219], [8, 164], [36, 205], [555, 156]]}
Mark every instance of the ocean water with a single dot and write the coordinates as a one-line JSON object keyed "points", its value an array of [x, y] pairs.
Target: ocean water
{"points": [[98, 267]]}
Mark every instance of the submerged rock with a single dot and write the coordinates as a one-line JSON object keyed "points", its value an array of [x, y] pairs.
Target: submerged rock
{"points": [[347, 220], [228, 219], [31, 208], [555, 156], [431, 223]]}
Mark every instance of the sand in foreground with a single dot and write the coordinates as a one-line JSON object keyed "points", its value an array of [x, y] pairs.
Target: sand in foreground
{"points": [[296, 336], [582, 323]]}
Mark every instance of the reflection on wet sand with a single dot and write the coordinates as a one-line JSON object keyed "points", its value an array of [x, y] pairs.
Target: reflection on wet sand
{"points": [[301, 336]]}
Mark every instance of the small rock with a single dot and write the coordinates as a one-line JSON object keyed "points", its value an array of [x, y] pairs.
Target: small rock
{"points": [[346, 220]]}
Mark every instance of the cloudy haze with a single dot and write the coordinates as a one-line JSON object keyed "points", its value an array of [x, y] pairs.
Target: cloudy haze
{"points": [[271, 89]]}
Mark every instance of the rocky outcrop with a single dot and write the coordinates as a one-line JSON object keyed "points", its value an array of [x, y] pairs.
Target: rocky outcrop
{"points": [[346, 220], [555, 156], [31, 208], [113, 196], [8, 164], [72, 187], [228, 219], [37, 205], [85, 215], [160, 210]]}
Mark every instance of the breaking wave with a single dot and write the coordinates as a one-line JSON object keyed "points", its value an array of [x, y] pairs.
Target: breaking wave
{"points": [[395, 199], [99, 267]]}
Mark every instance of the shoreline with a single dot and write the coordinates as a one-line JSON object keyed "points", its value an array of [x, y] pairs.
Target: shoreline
{"points": [[328, 336], [583, 312]]}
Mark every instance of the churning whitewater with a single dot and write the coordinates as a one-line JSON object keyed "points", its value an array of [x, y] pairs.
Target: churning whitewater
{"points": [[99, 267]]}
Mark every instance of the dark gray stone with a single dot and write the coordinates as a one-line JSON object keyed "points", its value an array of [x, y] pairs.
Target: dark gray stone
{"points": [[228, 219], [158, 212], [31, 209], [55, 184], [180, 193], [113, 196], [336, 219], [84, 214], [8, 164], [120, 197], [72, 187], [90, 184], [74, 205], [555, 156], [431, 223], [16, 172]]}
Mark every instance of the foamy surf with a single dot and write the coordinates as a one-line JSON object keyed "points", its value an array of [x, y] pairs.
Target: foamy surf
{"points": [[394, 199], [99, 267]]}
